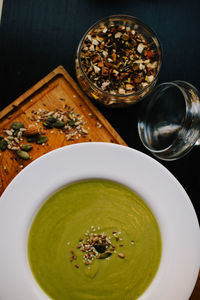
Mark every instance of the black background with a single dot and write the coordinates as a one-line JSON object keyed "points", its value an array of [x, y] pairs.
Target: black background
{"points": [[38, 35]]}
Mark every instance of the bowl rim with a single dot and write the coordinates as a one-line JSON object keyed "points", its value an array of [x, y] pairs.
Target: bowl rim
{"points": [[111, 152], [133, 19]]}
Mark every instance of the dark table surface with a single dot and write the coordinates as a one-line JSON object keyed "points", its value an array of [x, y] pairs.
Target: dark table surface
{"points": [[38, 35]]}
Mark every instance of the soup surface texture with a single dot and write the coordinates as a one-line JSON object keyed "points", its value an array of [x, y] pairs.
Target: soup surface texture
{"points": [[94, 239]]}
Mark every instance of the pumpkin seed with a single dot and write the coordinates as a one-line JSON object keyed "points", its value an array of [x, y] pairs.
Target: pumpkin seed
{"points": [[15, 133], [72, 122], [51, 119], [41, 139], [26, 147], [105, 255], [17, 125], [23, 154], [59, 124], [32, 139], [47, 125], [3, 144]]}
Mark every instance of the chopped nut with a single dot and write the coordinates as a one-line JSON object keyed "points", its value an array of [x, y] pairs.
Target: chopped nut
{"points": [[140, 48], [95, 42], [105, 53], [77, 266], [97, 69], [9, 132], [92, 48], [105, 84], [31, 130], [121, 255], [118, 35], [121, 91]]}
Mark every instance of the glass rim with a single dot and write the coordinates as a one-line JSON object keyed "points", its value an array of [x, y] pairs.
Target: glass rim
{"points": [[131, 18]]}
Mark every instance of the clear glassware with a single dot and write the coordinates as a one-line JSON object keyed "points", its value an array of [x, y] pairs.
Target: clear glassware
{"points": [[118, 100], [169, 122]]}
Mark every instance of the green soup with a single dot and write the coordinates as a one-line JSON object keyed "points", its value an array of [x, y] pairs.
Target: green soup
{"points": [[94, 239]]}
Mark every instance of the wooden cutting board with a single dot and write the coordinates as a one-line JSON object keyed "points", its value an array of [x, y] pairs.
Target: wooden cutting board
{"points": [[56, 91]]}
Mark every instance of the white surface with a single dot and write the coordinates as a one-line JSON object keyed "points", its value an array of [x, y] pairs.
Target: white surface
{"points": [[179, 227]]}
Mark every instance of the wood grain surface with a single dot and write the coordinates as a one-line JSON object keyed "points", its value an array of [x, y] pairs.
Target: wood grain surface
{"points": [[55, 91]]}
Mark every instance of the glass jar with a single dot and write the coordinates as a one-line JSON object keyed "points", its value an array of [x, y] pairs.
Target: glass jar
{"points": [[169, 122], [115, 99]]}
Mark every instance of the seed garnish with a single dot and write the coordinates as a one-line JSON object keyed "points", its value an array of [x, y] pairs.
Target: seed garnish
{"points": [[96, 245]]}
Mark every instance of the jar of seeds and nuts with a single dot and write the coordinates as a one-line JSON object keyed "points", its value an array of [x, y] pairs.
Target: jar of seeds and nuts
{"points": [[118, 60]]}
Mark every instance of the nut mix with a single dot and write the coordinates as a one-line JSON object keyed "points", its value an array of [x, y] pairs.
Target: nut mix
{"points": [[118, 59]]}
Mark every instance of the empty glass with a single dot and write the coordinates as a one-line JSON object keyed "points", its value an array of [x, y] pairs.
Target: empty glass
{"points": [[169, 122]]}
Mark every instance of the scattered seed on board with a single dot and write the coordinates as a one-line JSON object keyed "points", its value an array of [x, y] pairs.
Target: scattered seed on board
{"points": [[23, 154]]}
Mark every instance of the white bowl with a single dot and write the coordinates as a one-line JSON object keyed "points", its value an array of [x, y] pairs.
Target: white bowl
{"points": [[180, 261]]}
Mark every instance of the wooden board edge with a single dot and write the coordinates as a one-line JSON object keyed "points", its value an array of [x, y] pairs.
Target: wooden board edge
{"points": [[61, 70], [8, 109], [95, 111]]}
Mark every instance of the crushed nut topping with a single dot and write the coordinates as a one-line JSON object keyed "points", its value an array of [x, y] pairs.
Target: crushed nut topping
{"points": [[95, 245]]}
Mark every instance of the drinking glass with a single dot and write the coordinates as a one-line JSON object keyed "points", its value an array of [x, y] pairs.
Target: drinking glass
{"points": [[169, 122]]}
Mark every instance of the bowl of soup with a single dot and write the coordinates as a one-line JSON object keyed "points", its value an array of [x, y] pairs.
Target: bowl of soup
{"points": [[97, 221]]}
